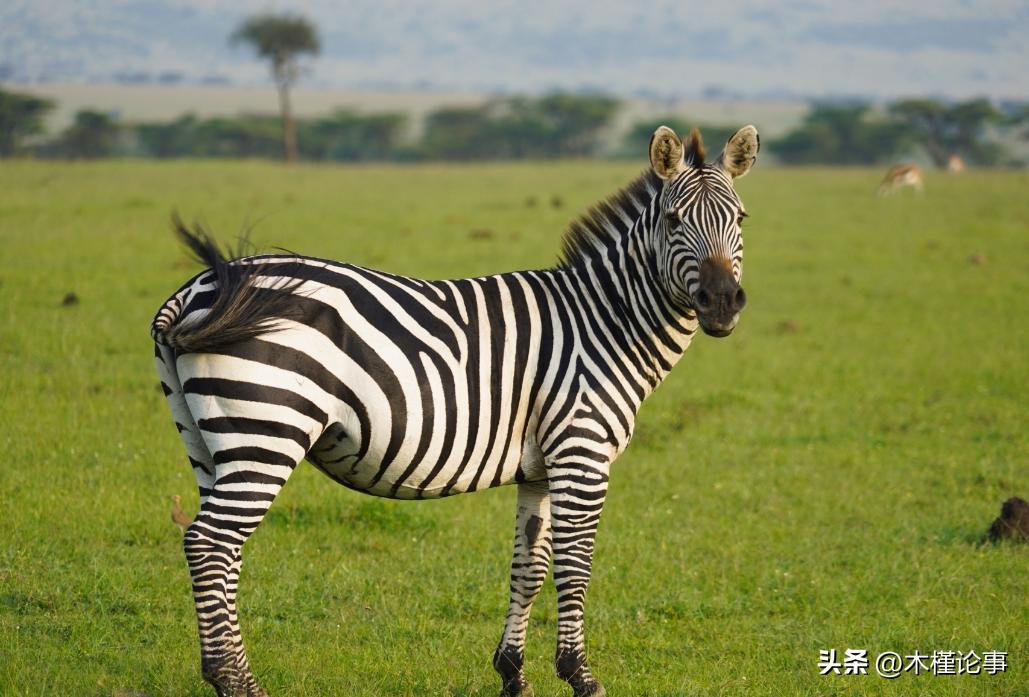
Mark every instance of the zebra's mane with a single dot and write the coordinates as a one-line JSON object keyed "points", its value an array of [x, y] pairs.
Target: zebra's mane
{"points": [[607, 222]]}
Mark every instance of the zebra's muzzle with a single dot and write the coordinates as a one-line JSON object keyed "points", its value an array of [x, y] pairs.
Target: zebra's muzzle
{"points": [[718, 330], [718, 299]]}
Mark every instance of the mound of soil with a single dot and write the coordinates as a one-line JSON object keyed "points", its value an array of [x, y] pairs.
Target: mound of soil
{"points": [[1013, 523]]}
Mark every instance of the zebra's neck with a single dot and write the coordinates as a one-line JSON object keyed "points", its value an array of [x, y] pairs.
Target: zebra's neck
{"points": [[642, 325]]}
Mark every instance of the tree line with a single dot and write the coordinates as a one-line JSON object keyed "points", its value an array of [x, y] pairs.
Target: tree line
{"points": [[552, 126], [855, 134], [557, 125]]}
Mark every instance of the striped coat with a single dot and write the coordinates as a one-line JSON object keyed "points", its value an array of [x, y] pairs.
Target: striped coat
{"points": [[406, 388]]}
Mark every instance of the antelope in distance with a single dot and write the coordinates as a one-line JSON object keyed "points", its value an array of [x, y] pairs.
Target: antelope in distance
{"points": [[901, 175], [956, 164]]}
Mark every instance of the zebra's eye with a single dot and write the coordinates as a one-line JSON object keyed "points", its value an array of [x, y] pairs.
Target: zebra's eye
{"points": [[672, 219], [739, 220]]}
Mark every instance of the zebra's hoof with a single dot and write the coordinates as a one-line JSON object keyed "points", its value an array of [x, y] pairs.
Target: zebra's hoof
{"points": [[594, 689], [226, 684], [518, 687], [239, 691], [228, 680]]}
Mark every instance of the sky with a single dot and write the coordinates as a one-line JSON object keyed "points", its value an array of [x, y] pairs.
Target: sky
{"points": [[803, 48]]}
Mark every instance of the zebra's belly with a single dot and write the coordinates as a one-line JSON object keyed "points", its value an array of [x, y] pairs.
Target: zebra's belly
{"points": [[334, 454]]}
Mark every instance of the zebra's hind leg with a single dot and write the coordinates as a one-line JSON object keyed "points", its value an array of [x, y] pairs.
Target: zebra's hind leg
{"points": [[254, 440], [223, 662], [246, 482], [529, 565]]}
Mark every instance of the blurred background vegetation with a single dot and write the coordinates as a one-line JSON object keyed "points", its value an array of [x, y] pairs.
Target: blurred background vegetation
{"points": [[550, 126], [509, 127]]}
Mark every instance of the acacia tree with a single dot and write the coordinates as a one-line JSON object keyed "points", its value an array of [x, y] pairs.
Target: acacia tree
{"points": [[281, 39]]}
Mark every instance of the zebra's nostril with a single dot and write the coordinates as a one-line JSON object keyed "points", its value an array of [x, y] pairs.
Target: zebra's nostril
{"points": [[702, 299], [739, 300]]}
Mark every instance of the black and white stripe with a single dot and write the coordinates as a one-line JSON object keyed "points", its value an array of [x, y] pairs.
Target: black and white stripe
{"points": [[406, 388]]}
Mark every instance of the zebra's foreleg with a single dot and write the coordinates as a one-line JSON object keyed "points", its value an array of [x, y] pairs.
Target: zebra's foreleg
{"points": [[529, 565], [577, 495]]}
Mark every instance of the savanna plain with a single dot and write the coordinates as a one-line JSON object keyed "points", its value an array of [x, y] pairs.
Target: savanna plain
{"points": [[818, 480]]}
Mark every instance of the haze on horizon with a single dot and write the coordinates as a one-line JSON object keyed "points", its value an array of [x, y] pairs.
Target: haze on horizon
{"points": [[797, 48]]}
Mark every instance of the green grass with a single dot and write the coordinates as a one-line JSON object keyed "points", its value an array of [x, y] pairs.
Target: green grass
{"points": [[818, 480]]}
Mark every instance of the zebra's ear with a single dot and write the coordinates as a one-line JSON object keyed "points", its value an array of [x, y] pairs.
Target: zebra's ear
{"points": [[666, 153], [740, 152]]}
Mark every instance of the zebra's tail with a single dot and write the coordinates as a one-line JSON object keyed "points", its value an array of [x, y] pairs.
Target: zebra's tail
{"points": [[241, 310]]}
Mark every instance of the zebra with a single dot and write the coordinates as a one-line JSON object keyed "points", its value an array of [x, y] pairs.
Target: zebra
{"points": [[414, 389]]}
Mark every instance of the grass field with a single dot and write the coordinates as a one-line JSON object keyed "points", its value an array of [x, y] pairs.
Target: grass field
{"points": [[818, 480]]}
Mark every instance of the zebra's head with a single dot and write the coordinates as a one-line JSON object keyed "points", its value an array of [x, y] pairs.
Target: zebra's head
{"points": [[698, 232]]}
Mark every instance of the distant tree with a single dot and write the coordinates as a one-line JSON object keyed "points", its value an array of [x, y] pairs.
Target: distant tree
{"points": [[244, 136], [573, 122], [458, 133], [944, 130], [344, 136], [92, 135], [347, 136], [187, 136], [281, 39], [170, 139], [842, 134], [21, 115], [1017, 123], [555, 125], [636, 142], [1018, 119]]}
